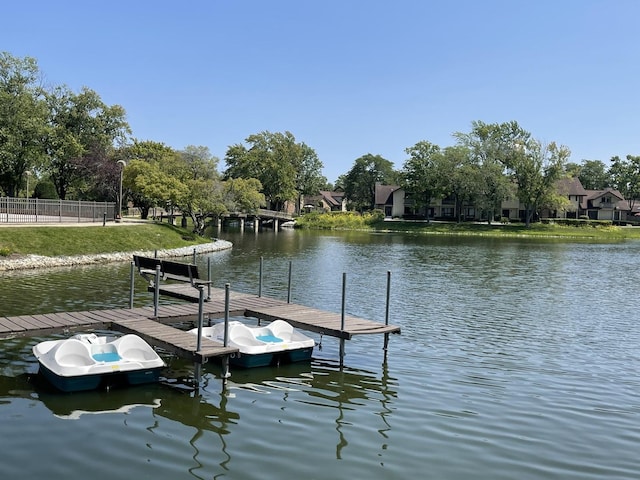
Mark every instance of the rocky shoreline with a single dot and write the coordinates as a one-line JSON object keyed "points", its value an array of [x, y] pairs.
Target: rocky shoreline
{"points": [[23, 262]]}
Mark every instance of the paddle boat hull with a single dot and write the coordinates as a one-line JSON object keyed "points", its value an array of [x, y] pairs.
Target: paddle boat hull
{"points": [[86, 361], [273, 344]]}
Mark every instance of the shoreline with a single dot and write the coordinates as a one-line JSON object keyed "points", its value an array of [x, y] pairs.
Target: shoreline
{"points": [[25, 262]]}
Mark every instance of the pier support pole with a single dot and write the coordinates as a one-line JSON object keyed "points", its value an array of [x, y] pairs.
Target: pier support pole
{"points": [[260, 277], [386, 316], [156, 292], [225, 359], [209, 279], [131, 284], [198, 365], [344, 295], [289, 286]]}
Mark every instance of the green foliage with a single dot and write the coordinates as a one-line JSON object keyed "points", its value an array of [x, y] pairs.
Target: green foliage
{"points": [[45, 189], [284, 168], [332, 221], [23, 120], [360, 182]]}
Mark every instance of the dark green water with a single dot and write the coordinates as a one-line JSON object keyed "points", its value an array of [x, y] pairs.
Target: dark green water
{"points": [[517, 359]]}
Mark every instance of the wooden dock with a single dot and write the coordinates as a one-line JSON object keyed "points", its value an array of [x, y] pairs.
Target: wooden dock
{"points": [[156, 331]]}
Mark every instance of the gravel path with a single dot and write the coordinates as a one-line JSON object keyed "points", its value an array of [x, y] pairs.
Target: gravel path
{"points": [[38, 261]]}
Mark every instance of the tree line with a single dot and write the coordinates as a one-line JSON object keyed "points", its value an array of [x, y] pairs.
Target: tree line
{"points": [[77, 147]]}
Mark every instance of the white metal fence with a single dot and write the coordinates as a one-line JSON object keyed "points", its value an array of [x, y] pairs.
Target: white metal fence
{"points": [[36, 210]]}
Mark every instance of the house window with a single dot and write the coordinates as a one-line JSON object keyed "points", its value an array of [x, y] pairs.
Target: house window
{"points": [[447, 211]]}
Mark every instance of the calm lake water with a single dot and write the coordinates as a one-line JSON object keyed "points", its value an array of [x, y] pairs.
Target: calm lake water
{"points": [[518, 359]]}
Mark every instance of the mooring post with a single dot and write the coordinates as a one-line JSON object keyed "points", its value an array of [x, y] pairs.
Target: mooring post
{"points": [[344, 295], [209, 278], [260, 277], [386, 315], [131, 284], [200, 316], [225, 359], [194, 256], [156, 292], [155, 253], [289, 287]]}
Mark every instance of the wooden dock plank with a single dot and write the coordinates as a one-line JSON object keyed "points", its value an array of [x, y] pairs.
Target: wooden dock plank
{"points": [[142, 320], [172, 339]]}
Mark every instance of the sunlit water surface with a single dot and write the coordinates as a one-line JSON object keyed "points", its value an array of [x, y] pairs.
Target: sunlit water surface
{"points": [[517, 359]]}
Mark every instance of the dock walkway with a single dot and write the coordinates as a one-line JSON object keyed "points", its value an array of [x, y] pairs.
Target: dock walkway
{"points": [[156, 331]]}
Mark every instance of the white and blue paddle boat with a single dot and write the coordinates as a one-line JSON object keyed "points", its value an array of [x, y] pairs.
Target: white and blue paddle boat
{"points": [[85, 361], [272, 344]]}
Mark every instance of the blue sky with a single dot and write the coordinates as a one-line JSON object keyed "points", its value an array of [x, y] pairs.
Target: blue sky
{"points": [[347, 77]]}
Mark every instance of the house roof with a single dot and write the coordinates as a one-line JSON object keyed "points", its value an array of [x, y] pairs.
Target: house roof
{"points": [[570, 186], [383, 192], [595, 194], [332, 198]]}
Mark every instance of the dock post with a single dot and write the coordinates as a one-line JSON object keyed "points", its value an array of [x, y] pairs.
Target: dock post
{"points": [[156, 292], [225, 359], [386, 316], [260, 278], [344, 295], [194, 256], [209, 278], [289, 287], [200, 316], [131, 284]]}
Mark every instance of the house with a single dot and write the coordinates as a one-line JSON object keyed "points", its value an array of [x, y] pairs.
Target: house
{"points": [[607, 204], [326, 201]]}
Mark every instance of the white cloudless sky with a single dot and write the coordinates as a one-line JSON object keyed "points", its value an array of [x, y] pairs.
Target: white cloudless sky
{"points": [[347, 77]]}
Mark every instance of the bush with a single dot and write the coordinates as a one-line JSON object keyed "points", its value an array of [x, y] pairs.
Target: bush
{"points": [[45, 189]]}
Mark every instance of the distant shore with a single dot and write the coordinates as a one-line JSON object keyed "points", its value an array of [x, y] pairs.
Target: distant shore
{"points": [[23, 262]]}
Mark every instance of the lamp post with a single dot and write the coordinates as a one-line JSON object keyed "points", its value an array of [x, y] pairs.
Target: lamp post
{"points": [[122, 165], [28, 174]]}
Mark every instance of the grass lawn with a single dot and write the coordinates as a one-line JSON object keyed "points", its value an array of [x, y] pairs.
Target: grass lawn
{"points": [[599, 233], [55, 241]]}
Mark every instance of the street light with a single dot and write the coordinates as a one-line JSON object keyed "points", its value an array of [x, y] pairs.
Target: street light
{"points": [[28, 173], [123, 164]]}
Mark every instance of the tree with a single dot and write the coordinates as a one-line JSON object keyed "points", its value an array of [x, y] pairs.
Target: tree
{"points": [[150, 186], [82, 129], [424, 174], [242, 195], [151, 162], [536, 169], [593, 175], [284, 168], [625, 176], [463, 177], [491, 146], [22, 121], [309, 180], [360, 182]]}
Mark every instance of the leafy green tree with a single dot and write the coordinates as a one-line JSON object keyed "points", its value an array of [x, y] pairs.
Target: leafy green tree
{"points": [[491, 146], [593, 175], [360, 182], [536, 168], [242, 195], [23, 115], [463, 176], [625, 176], [147, 163], [424, 175], [149, 186], [308, 180], [83, 130], [284, 168]]}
